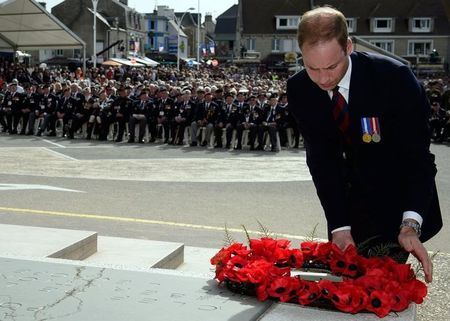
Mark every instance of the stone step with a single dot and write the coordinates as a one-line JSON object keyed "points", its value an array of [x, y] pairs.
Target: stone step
{"points": [[18, 240], [125, 253], [197, 260]]}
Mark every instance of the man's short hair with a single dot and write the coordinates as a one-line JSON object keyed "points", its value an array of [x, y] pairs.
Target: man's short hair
{"points": [[322, 24]]}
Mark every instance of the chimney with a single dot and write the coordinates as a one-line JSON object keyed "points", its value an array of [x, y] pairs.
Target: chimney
{"points": [[43, 4], [125, 2], [208, 17]]}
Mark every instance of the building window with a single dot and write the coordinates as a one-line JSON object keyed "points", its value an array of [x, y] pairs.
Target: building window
{"points": [[419, 47], [351, 24], [77, 53], [382, 25], [251, 44], [276, 44], [288, 45], [287, 22], [152, 24], [421, 24], [58, 52], [387, 45]]}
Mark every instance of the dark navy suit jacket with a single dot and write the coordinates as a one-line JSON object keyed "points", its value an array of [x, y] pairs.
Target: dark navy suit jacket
{"points": [[386, 178]]}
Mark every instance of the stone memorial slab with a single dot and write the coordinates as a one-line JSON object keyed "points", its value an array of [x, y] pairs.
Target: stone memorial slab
{"points": [[37, 290], [289, 312]]}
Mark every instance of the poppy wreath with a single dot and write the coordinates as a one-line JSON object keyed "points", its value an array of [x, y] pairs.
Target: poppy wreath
{"points": [[376, 284]]}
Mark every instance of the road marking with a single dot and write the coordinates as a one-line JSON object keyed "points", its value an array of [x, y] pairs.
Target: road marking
{"points": [[141, 220], [53, 143], [18, 187], [59, 154]]}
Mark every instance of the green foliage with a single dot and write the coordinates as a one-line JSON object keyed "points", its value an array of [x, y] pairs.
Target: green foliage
{"points": [[246, 234], [382, 249], [312, 237], [228, 239], [264, 230]]}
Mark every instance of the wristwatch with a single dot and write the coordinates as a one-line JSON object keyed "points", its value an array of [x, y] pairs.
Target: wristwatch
{"points": [[412, 224]]}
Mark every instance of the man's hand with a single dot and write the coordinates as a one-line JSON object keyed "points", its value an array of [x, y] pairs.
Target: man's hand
{"points": [[410, 242], [342, 239]]}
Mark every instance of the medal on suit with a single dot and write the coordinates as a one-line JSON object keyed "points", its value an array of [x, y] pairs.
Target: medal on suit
{"points": [[366, 138], [376, 137], [371, 130]]}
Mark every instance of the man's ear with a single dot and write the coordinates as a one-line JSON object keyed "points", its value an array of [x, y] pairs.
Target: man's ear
{"points": [[349, 46]]}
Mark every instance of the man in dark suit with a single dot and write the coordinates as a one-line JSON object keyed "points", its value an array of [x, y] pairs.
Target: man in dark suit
{"points": [[364, 119]]}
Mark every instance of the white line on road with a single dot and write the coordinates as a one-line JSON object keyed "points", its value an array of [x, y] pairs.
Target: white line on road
{"points": [[59, 154], [50, 142]]}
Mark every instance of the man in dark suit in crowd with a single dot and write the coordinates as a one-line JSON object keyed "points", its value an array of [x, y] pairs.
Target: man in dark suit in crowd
{"points": [[367, 145]]}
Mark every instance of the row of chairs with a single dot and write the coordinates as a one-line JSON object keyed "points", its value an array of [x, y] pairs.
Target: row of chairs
{"points": [[186, 135]]}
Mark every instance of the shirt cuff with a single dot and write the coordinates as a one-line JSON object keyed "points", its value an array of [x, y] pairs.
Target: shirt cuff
{"points": [[413, 215], [343, 228]]}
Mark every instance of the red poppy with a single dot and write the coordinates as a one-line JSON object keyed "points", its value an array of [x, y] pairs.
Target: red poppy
{"points": [[233, 267], [400, 294], [279, 287], [348, 298], [296, 284], [370, 283], [417, 290], [308, 293], [222, 256], [256, 271], [327, 288], [261, 292], [322, 251], [283, 244], [403, 272], [308, 249], [281, 257], [344, 262], [296, 258], [380, 303], [239, 249], [263, 247]]}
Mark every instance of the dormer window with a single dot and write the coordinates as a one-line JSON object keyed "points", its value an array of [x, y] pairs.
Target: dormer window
{"points": [[382, 25], [287, 22], [351, 25], [421, 25]]}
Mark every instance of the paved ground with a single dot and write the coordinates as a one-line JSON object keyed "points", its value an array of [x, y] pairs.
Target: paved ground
{"points": [[177, 194]]}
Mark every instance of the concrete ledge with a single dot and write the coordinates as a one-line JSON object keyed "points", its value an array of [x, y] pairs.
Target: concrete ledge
{"points": [[289, 312], [120, 252], [18, 240]]}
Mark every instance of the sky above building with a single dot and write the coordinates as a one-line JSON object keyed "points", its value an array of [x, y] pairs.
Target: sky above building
{"points": [[215, 7]]}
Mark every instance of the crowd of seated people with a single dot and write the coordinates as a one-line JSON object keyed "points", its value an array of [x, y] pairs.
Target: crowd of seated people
{"points": [[207, 108]]}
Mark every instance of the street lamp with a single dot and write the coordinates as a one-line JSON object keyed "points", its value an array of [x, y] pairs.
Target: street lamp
{"points": [[178, 35], [94, 27]]}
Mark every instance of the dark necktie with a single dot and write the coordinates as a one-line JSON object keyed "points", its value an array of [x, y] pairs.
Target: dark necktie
{"points": [[340, 110]]}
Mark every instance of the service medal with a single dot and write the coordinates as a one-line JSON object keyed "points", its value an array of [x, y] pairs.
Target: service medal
{"points": [[376, 138], [366, 138]]}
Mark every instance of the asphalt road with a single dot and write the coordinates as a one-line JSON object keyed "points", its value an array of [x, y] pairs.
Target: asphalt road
{"points": [[161, 192]]}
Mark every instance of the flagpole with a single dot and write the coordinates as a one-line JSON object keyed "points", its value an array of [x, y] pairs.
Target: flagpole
{"points": [[198, 36]]}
